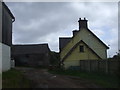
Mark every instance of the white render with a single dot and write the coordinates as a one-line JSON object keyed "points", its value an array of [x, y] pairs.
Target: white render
{"points": [[5, 53], [12, 63]]}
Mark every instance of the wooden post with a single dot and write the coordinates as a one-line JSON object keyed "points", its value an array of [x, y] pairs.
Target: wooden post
{"points": [[98, 65], [106, 66], [80, 66], [89, 65], [84, 66]]}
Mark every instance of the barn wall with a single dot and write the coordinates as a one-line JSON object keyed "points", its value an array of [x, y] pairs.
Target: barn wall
{"points": [[6, 27], [40, 59], [5, 53], [0, 58], [0, 22], [0, 37]]}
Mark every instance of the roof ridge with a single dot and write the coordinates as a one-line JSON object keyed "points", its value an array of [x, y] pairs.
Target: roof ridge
{"points": [[29, 44], [98, 38]]}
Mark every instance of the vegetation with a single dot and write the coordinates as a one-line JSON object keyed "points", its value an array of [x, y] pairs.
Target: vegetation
{"points": [[14, 79], [54, 58], [104, 80], [116, 57]]}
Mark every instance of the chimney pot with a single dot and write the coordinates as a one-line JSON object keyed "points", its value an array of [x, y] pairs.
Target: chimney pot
{"points": [[84, 18], [83, 23]]}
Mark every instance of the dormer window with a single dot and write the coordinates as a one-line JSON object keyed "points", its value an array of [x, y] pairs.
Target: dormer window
{"points": [[81, 48]]}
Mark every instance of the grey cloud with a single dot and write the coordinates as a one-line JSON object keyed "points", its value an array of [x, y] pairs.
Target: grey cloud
{"points": [[35, 22], [50, 18]]}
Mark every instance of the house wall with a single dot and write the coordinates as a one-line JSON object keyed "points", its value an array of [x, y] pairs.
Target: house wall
{"points": [[88, 38], [5, 52], [74, 58]]}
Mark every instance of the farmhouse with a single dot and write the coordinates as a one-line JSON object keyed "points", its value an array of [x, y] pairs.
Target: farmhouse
{"points": [[83, 45], [31, 55], [6, 20]]}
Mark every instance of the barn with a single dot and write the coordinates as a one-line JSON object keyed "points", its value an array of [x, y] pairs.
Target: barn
{"points": [[6, 21], [31, 55]]}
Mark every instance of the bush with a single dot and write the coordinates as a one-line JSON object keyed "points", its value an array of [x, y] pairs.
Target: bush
{"points": [[54, 58]]}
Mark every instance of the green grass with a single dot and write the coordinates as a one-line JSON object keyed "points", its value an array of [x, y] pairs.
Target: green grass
{"points": [[104, 80], [14, 79]]}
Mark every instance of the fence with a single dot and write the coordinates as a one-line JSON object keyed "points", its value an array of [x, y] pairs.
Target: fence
{"points": [[107, 66]]}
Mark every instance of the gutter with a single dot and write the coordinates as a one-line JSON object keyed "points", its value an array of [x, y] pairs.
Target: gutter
{"points": [[13, 20]]}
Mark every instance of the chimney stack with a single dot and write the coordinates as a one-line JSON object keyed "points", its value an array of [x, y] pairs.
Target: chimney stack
{"points": [[75, 32], [82, 23]]}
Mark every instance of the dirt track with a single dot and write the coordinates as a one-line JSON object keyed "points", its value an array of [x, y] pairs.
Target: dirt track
{"points": [[42, 79]]}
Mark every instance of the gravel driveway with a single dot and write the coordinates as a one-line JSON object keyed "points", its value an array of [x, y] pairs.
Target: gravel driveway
{"points": [[43, 79]]}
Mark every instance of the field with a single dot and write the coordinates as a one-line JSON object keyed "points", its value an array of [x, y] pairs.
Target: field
{"points": [[14, 79], [104, 80]]}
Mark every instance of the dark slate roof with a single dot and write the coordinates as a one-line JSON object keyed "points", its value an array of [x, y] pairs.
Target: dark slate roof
{"points": [[93, 35], [63, 41], [98, 38], [6, 7], [30, 49]]}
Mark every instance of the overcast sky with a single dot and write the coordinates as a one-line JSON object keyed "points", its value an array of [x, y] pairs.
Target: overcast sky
{"points": [[45, 22]]}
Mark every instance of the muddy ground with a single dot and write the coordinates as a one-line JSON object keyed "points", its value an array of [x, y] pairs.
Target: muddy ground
{"points": [[41, 78]]}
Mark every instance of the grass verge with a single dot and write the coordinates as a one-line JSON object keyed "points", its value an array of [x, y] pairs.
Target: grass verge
{"points": [[14, 79], [104, 80]]}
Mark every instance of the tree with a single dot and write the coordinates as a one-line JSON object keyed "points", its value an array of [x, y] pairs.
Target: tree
{"points": [[54, 58]]}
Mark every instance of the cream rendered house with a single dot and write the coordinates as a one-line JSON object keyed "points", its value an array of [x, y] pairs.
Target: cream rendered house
{"points": [[84, 45]]}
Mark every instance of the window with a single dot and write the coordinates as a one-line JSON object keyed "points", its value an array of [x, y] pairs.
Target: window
{"points": [[81, 48]]}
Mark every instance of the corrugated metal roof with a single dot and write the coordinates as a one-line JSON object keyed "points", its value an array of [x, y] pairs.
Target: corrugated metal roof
{"points": [[30, 49], [5, 6]]}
